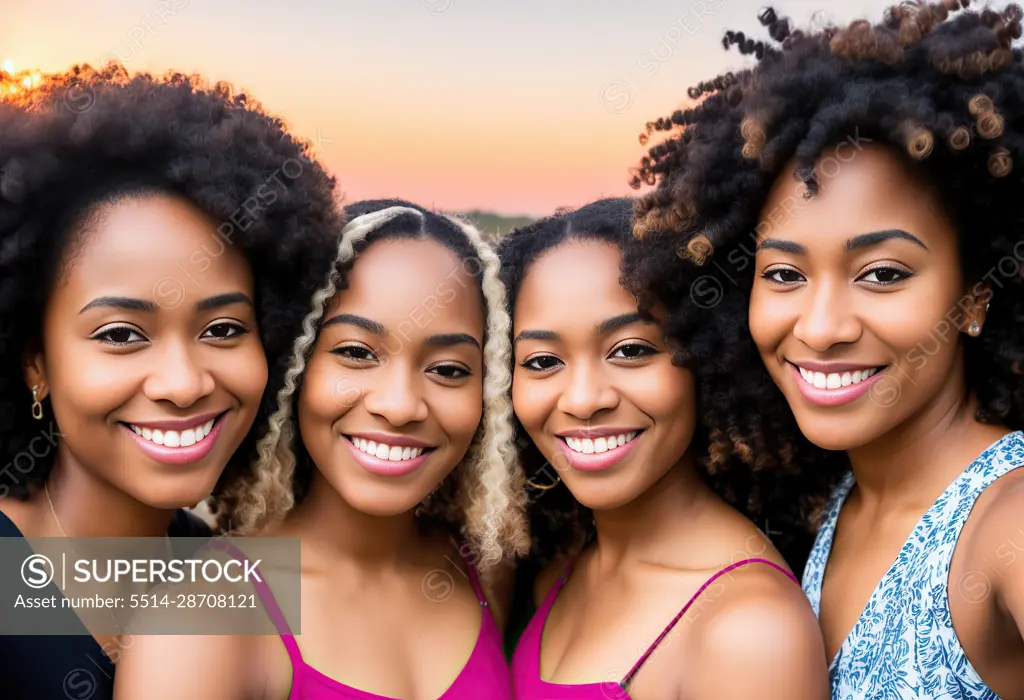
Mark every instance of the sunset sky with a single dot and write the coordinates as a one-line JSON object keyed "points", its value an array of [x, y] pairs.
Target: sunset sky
{"points": [[516, 107]]}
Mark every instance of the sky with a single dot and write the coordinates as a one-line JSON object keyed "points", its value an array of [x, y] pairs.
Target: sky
{"points": [[514, 107]]}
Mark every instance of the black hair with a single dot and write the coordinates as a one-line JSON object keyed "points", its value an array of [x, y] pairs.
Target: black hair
{"points": [[87, 138], [943, 90]]}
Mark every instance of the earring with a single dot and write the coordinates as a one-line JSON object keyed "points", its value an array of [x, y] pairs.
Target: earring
{"points": [[545, 487], [974, 330], [37, 407]]}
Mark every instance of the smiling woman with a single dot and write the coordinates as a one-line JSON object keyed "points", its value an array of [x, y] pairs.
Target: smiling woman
{"points": [[133, 335], [885, 301], [390, 459], [615, 440]]}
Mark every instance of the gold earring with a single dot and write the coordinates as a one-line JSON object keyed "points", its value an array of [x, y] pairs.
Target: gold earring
{"points": [[37, 407], [546, 487]]}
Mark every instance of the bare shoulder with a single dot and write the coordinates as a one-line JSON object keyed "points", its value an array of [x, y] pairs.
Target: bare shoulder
{"points": [[168, 667], [547, 578], [756, 636], [994, 541]]}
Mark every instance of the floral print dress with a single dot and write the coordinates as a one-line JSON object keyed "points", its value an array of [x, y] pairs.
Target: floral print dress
{"points": [[903, 645]]}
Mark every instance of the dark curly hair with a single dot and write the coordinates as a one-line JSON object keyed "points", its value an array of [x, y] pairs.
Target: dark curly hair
{"points": [[477, 501], [943, 89], [86, 138], [704, 341]]}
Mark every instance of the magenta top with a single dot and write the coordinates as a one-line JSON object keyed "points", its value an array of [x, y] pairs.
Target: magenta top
{"points": [[485, 675], [526, 680]]}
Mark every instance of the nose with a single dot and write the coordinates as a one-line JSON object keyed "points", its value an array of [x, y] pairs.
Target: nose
{"points": [[588, 391], [828, 317], [177, 376], [394, 394]]}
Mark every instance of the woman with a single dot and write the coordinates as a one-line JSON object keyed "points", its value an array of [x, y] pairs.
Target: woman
{"points": [[620, 420], [137, 342], [399, 489], [879, 169]]}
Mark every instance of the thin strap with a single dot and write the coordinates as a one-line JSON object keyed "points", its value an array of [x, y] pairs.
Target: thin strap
{"points": [[636, 667], [267, 598], [471, 572]]}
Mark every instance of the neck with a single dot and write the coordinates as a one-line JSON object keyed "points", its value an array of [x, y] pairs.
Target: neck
{"points": [[326, 522], [912, 464], [86, 506], [660, 519]]}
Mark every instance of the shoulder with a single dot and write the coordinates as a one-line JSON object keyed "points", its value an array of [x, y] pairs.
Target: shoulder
{"points": [[756, 636], [547, 578], [208, 667], [997, 536]]}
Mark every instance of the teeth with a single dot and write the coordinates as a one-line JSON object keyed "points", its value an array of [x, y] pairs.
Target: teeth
{"points": [[387, 452], [175, 438], [598, 445], [835, 380]]}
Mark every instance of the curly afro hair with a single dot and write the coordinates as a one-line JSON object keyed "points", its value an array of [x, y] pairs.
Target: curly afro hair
{"points": [[478, 500], [86, 138], [942, 88], [707, 344]]}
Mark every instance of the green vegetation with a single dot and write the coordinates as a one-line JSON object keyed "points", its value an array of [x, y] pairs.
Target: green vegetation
{"points": [[495, 225]]}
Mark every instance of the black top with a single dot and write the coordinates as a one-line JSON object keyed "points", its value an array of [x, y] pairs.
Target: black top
{"points": [[67, 667]]}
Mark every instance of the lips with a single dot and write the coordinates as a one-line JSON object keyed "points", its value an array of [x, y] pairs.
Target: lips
{"points": [[600, 449], [177, 442], [835, 385]]}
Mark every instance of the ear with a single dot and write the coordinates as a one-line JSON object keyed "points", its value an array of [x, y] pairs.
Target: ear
{"points": [[34, 371], [975, 305]]}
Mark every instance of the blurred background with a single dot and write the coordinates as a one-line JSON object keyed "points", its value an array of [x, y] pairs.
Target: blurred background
{"points": [[503, 111]]}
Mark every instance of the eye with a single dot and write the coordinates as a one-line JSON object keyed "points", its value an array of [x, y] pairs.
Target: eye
{"points": [[225, 331], [541, 363], [119, 335], [885, 275], [450, 372], [355, 353], [632, 351], [782, 275]]}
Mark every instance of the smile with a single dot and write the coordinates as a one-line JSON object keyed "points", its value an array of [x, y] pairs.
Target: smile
{"points": [[599, 445], [590, 450], [836, 380], [840, 386], [391, 453], [177, 442]]}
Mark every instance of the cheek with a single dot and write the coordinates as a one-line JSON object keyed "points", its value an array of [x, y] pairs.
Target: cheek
{"points": [[665, 393], [769, 317], [242, 370], [328, 392], [458, 411], [109, 382], [530, 399]]}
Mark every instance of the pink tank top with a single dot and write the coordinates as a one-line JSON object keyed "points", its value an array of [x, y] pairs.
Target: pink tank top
{"points": [[485, 675], [526, 680]]}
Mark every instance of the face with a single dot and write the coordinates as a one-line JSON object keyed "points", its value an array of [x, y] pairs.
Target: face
{"points": [[594, 385], [858, 306], [393, 394], [154, 376]]}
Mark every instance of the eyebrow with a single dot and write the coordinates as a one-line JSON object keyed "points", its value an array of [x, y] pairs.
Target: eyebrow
{"points": [[445, 340], [131, 304], [606, 326], [864, 240], [353, 320]]}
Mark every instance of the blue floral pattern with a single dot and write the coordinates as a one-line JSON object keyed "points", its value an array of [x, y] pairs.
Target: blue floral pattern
{"points": [[903, 645]]}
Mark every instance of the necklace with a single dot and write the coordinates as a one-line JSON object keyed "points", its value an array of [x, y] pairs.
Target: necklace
{"points": [[53, 512]]}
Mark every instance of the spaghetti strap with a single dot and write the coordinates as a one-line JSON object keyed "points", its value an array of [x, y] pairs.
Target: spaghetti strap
{"points": [[269, 602], [650, 650]]}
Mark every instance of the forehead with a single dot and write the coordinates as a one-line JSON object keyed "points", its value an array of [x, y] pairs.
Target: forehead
{"points": [[152, 245], [414, 282], [581, 277], [873, 190]]}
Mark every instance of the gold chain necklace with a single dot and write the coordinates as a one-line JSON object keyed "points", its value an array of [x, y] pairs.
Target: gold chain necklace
{"points": [[53, 512]]}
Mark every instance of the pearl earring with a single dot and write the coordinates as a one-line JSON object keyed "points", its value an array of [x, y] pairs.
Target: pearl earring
{"points": [[974, 330]]}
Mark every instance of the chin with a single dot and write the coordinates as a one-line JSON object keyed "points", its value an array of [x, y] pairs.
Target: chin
{"points": [[601, 496], [839, 435], [382, 503]]}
